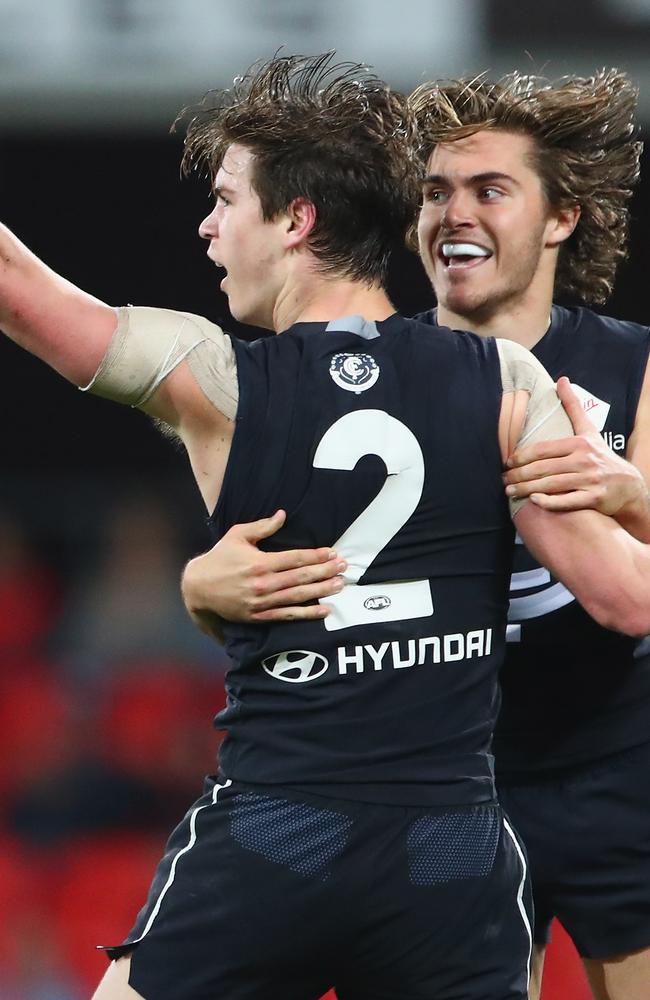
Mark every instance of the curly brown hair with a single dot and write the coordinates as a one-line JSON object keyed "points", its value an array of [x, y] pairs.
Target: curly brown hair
{"points": [[333, 133], [585, 151]]}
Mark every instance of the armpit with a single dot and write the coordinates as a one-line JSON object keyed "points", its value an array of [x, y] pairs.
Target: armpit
{"points": [[148, 344]]}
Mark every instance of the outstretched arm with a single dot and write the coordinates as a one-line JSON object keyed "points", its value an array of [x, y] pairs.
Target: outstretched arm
{"points": [[140, 361], [50, 317]]}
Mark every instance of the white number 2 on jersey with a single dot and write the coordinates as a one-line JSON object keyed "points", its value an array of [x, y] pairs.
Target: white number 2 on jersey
{"points": [[374, 432]]}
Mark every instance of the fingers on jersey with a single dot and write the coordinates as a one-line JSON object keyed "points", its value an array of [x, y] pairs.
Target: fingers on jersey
{"points": [[540, 452], [561, 481], [320, 563], [573, 406], [575, 500], [270, 582], [284, 605], [255, 531]]}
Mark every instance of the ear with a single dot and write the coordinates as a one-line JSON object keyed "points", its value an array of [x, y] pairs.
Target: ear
{"points": [[301, 219], [561, 225]]}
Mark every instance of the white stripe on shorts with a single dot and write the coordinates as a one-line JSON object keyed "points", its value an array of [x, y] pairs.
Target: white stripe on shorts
{"points": [[188, 847], [520, 895]]}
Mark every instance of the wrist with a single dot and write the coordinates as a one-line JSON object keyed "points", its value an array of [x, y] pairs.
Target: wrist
{"points": [[634, 515], [190, 586]]}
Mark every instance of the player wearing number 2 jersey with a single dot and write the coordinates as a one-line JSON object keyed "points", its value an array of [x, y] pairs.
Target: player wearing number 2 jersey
{"points": [[352, 837]]}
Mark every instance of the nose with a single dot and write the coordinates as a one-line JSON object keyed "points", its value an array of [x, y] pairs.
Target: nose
{"points": [[458, 211], [209, 228]]}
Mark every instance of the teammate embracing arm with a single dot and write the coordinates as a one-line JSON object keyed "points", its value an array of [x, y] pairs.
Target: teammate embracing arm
{"points": [[581, 472], [236, 580]]}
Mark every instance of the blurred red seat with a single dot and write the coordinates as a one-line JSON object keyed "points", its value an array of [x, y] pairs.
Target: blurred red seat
{"points": [[104, 882], [24, 893], [36, 719], [564, 978], [157, 720]]}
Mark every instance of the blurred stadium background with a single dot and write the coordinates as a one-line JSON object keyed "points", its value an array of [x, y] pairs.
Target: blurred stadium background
{"points": [[106, 692]]}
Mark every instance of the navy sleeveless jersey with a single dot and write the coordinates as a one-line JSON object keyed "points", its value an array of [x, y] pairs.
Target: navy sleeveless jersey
{"points": [[574, 692], [383, 443]]}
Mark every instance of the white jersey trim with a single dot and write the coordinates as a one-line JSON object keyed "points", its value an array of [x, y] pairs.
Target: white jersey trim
{"points": [[520, 895], [188, 847]]}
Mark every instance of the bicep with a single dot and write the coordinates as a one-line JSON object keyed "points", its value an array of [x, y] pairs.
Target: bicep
{"points": [[175, 366]]}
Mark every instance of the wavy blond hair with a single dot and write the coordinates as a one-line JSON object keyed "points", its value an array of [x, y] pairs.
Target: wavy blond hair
{"points": [[585, 150]]}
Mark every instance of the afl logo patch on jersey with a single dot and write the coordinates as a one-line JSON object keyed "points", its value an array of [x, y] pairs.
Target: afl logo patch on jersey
{"points": [[354, 372], [377, 603], [296, 666]]}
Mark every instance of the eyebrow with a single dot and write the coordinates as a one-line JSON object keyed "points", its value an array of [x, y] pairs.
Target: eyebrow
{"points": [[221, 189], [485, 177]]}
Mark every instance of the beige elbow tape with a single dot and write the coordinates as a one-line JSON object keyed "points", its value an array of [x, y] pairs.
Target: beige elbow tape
{"points": [[149, 343], [546, 419]]}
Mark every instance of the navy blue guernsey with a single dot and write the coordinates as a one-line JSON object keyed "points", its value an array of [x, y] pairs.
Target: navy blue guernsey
{"points": [[574, 692], [381, 440]]}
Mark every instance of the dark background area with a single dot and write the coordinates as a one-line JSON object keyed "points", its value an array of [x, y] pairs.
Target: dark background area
{"points": [[562, 25]]}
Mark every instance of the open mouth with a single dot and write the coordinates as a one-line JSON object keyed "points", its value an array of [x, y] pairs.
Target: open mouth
{"points": [[459, 256]]}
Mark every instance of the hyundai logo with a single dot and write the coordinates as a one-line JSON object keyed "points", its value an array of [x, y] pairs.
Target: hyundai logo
{"points": [[297, 666]]}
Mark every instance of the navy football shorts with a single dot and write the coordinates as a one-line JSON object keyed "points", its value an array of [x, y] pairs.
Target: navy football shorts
{"points": [[587, 833], [284, 895]]}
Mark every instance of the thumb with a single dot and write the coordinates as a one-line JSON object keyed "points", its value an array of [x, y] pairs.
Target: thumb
{"points": [[573, 407], [255, 531]]}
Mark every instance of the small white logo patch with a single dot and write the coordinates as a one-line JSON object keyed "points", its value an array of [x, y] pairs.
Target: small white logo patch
{"points": [[354, 372], [296, 666], [377, 603], [596, 409]]}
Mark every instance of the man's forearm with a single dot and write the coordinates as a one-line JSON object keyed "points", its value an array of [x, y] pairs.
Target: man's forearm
{"points": [[635, 516], [48, 315], [604, 567]]}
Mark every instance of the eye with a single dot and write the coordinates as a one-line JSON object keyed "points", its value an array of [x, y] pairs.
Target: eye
{"points": [[434, 195], [222, 200], [489, 193]]}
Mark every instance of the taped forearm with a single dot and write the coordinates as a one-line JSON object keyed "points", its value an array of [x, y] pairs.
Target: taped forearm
{"points": [[148, 344]]}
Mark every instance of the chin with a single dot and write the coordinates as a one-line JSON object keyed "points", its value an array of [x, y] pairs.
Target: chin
{"points": [[251, 317], [464, 303]]}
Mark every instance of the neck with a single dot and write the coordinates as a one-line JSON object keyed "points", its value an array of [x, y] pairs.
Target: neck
{"points": [[328, 298], [509, 324], [524, 319]]}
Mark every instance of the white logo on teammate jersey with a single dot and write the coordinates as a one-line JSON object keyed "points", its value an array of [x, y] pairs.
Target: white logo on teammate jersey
{"points": [[354, 372], [296, 666], [596, 409]]}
